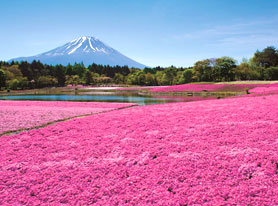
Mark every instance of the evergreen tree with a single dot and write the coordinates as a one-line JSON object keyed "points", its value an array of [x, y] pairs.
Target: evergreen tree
{"points": [[2, 79]]}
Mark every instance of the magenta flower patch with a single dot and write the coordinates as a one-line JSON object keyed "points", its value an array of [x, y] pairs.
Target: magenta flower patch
{"points": [[211, 87], [28, 114], [188, 87], [214, 152], [270, 89]]}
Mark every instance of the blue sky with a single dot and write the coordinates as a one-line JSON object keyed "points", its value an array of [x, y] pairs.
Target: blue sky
{"points": [[152, 32]]}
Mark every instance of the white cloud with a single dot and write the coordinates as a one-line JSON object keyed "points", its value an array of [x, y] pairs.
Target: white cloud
{"points": [[255, 30]]}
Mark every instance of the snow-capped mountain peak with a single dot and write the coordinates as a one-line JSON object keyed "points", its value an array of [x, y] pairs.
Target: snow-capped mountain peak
{"points": [[84, 49], [85, 44]]}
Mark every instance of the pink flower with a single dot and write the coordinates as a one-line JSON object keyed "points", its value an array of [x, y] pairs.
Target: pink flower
{"points": [[214, 152]]}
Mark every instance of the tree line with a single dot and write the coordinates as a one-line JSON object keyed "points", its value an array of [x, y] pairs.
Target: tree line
{"points": [[22, 75]]}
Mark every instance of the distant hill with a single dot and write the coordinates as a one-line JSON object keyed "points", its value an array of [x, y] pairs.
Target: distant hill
{"points": [[84, 49]]}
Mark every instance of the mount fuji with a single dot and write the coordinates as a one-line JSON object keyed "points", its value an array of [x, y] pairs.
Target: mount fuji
{"points": [[84, 49]]}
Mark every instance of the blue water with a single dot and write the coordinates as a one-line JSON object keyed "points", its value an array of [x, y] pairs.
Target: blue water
{"points": [[129, 99]]}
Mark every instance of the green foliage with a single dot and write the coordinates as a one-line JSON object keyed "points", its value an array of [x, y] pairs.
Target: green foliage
{"points": [[60, 75], [271, 73], [73, 80], [46, 81], [220, 69], [78, 69], [203, 70], [245, 71], [169, 76], [149, 79], [267, 58], [88, 77], [12, 72], [13, 84], [224, 69], [2, 79], [23, 83], [186, 76], [119, 78], [149, 70]]}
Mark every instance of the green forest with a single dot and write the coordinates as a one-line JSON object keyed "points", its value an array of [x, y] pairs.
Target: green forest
{"points": [[22, 75]]}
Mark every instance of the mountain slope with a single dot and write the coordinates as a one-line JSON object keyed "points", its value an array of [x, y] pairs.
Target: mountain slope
{"points": [[84, 49]]}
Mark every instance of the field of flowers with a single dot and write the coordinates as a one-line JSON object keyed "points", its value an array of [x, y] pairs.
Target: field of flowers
{"points": [[211, 87], [17, 115], [214, 152], [271, 89]]}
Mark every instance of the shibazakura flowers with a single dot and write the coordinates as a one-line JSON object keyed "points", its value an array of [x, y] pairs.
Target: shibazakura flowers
{"points": [[211, 87], [28, 114], [215, 152]]}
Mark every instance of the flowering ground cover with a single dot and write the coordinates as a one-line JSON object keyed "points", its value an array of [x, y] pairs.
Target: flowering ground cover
{"points": [[211, 87], [140, 88], [187, 98], [270, 89], [214, 152], [188, 87], [17, 115]]}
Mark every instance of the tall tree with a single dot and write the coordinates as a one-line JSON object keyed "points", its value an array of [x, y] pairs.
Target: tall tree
{"points": [[2, 79], [60, 75], [225, 69], [267, 58], [88, 77], [204, 70]]}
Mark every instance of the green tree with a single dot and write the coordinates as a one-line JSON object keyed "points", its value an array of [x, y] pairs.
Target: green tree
{"points": [[23, 83], [149, 79], [131, 79], [13, 84], [224, 69], [204, 71], [69, 70], [2, 79], [88, 77], [73, 80], [158, 77], [149, 70], [245, 71], [140, 78], [46, 81], [60, 75], [267, 58], [119, 78], [78, 69], [25, 69], [271, 73], [186, 76], [168, 76], [37, 69]]}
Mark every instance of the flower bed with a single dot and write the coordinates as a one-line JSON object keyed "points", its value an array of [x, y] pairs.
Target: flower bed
{"points": [[215, 152], [139, 88], [188, 87], [210, 87], [17, 115], [270, 89]]}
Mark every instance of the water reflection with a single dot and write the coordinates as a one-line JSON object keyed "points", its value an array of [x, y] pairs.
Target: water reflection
{"points": [[88, 98], [108, 97]]}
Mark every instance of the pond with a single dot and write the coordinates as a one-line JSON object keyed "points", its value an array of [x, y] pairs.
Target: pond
{"points": [[105, 96], [88, 98]]}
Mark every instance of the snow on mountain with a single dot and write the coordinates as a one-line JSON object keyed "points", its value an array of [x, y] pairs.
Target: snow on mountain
{"points": [[84, 49]]}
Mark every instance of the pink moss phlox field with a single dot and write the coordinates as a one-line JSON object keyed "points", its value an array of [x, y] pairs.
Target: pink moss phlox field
{"points": [[215, 152], [140, 88], [270, 89], [185, 98], [27, 114], [210, 87], [188, 87]]}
